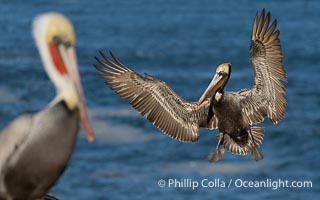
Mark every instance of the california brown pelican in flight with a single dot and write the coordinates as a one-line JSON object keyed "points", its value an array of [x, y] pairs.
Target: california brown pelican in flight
{"points": [[36, 147], [233, 113]]}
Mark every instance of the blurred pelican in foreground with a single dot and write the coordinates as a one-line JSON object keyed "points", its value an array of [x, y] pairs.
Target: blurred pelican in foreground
{"points": [[234, 113], [36, 147]]}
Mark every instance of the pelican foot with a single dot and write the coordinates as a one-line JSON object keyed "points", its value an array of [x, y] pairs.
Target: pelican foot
{"points": [[216, 155], [256, 154]]}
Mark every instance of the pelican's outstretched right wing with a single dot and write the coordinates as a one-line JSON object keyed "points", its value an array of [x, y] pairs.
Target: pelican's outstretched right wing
{"points": [[267, 97], [155, 100]]}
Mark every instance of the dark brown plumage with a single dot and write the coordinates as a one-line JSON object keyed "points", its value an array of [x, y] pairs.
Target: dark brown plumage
{"points": [[234, 113]]}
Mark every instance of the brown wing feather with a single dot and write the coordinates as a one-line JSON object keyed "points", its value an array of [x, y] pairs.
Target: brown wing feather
{"points": [[267, 97], [155, 100]]}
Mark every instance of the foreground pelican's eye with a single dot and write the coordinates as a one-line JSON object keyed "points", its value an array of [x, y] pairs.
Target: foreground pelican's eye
{"points": [[222, 73], [57, 40]]}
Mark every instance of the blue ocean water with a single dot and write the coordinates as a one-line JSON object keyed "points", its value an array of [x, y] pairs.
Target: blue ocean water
{"points": [[180, 43]]}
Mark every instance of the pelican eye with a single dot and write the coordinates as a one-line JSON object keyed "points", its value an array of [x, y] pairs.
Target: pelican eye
{"points": [[58, 40], [222, 73]]}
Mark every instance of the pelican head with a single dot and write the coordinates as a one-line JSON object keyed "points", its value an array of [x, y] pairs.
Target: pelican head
{"points": [[55, 39], [218, 81]]}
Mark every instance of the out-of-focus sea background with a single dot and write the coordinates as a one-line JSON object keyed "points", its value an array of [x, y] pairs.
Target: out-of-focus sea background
{"points": [[181, 43]]}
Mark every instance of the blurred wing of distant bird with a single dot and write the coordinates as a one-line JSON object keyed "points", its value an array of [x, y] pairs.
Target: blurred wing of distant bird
{"points": [[153, 99], [267, 97]]}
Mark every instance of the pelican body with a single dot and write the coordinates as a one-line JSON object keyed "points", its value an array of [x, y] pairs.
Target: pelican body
{"points": [[233, 113], [236, 134], [36, 147]]}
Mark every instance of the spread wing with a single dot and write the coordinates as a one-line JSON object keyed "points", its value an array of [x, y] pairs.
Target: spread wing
{"points": [[153, 99], [267, 97]]}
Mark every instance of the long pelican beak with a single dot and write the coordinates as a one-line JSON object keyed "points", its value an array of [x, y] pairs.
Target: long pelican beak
{"points": [[215, 84], [69, 58], [74, 74]]}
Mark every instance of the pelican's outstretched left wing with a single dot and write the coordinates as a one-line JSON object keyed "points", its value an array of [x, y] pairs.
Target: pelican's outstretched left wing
{"points": [[151, 97]]}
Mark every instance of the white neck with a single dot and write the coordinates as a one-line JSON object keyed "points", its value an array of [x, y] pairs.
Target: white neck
{"points": [[64, 86]]}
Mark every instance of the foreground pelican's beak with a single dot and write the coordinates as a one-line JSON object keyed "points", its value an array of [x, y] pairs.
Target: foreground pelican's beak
{"points": [[70, 60], [216, 83]]}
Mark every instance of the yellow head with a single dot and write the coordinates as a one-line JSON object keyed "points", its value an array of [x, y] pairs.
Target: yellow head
{"points": [[59, 27], [218, 81], [223, 68]]}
